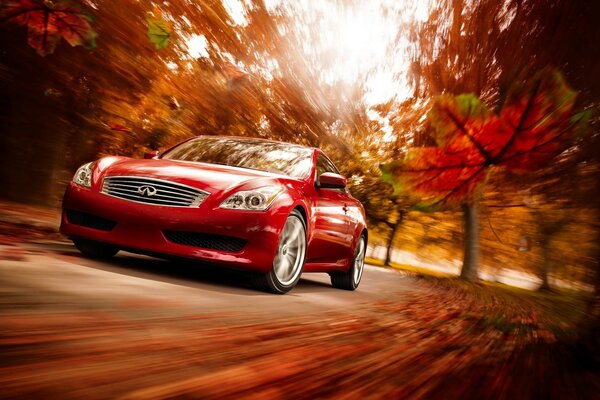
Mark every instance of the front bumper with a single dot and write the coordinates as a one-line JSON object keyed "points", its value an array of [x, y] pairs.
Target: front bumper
{"points": [[141, 228]]}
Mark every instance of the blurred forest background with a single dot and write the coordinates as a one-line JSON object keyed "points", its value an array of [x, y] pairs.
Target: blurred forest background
{"points": [[81, 79]]}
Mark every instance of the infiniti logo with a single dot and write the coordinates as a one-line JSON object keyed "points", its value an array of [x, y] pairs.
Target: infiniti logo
{"points": [[147, 190]]}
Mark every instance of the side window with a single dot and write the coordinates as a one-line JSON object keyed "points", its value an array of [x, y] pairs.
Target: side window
{"points": [[324, 165]]}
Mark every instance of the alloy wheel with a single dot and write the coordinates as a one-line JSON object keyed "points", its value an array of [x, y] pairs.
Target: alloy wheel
{"points": [[359, 262], [289, 259]]}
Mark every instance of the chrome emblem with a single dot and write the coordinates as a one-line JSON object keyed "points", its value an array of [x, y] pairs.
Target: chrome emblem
{"points": [[147, 190]]}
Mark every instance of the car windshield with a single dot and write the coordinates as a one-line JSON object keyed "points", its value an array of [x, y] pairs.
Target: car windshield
{"points": [[281, 158]]}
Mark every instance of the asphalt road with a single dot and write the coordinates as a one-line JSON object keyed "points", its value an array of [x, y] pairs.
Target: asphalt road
{"points": [[140, 327], [57, 276]]}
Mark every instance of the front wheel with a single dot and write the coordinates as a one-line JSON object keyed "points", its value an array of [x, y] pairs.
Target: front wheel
{"points": [[289, 259], [351, 279]]}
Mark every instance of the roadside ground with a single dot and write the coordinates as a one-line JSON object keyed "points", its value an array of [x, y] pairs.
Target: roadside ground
{"points": [[138, 327]]}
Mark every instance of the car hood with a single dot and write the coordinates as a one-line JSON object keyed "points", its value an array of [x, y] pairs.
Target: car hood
{"points": [[208, 177]]}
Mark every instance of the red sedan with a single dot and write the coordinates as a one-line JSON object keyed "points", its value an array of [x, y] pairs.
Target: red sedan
{"points": [[276, 209]]}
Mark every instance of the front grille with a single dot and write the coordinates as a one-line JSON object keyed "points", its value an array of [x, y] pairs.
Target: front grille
{"points": [[157, 192], [89, 220], [206, 240]]}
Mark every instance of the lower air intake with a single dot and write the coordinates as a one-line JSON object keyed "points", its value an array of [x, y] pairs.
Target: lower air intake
{"points": [[89, 220], [206, 240]]}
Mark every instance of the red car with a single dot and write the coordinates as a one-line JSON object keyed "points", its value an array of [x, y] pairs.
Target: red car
{"points": [[276, 209]]}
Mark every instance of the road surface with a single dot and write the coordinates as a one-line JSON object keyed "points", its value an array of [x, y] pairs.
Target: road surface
{"points": [[57, 275], [140, 327]]}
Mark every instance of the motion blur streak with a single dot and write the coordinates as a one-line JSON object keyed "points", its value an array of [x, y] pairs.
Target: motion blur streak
{"points": [[144, 328], [83, 79]]}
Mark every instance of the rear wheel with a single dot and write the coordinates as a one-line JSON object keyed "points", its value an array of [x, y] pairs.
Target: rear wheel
{"points": [[351, 279], [93, 249], [289, 259]]}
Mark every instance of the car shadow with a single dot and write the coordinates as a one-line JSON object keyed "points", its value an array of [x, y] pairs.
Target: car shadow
{"points": [[180, 272]]}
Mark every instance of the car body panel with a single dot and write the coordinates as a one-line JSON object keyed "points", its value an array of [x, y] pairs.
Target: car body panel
{"points": [[329, 243], [141, 226], [333, 217]]}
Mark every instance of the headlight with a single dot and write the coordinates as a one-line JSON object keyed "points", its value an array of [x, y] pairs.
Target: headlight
{"points": [[257, 200], [83, 176]]}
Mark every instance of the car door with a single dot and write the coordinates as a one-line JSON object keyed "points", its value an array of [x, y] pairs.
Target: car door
{"points": [[331, 240]]}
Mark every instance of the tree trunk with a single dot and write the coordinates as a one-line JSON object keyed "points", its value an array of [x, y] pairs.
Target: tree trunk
{"points": [[589, 333], [590, 336], [471, 242], [390, 243], [545, 243]]}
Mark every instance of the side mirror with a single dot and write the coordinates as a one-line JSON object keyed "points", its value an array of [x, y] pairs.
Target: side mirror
{"points": [[152, 154], [329, 180]]}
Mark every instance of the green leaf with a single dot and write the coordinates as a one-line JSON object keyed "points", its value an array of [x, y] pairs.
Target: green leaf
{"points": [[581, 121], [159, 31], [387, 176]]}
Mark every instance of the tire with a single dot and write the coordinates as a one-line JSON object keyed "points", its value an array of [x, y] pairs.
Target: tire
{"points": [[289, 259], [350, 279], [93, 249]]}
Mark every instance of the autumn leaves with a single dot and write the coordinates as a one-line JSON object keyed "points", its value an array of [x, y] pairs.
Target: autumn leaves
{"points": [[535, 124], [49, 21]]}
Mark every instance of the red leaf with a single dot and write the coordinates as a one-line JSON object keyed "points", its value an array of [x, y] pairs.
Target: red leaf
{"points": [[120, 128], [535, 125], [451, 173], [463, 124], [437, 177], [538, 115], [47, 22]]}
